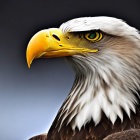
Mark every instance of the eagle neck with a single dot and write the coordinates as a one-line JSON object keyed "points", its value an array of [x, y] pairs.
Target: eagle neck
{"points": [[97, 88]]}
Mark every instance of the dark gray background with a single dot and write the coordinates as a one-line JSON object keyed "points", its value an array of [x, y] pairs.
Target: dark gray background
{"points": [[30, 99]]}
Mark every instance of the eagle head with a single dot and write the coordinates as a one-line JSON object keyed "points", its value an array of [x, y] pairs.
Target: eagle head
{"points": [[105, 54]]}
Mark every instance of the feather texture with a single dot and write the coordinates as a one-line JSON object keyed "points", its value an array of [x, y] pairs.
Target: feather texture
{"points": [[104, 99]]}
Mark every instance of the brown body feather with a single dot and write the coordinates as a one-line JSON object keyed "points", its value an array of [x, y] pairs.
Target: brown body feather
{"points": [[132, 134], [39, 137], [92, 132], [105, 130]]}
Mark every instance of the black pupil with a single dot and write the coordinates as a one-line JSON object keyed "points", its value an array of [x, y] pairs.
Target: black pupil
{"points": [[92, 35]]}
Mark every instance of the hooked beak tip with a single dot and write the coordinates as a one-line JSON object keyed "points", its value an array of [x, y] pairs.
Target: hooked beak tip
{"points": [[29, 66], [29, 61]]}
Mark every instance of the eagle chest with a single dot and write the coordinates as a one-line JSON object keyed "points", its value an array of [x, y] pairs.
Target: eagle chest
{"points": [[92, 132]]}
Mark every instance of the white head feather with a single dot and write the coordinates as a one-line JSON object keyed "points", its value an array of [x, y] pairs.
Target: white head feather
{"points": [[109, 25]]}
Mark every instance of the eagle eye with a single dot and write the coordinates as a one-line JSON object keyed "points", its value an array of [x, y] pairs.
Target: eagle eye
{"points": [[94, 36]]}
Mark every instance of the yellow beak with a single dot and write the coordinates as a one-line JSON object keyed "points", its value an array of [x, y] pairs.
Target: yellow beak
{"points": [[51, 43]]}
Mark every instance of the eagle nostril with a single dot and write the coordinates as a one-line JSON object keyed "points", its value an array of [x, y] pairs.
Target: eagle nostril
{"points": [[56, 37]]}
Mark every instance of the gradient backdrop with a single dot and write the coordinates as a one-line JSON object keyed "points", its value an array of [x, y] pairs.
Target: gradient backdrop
{"points": [[30, 99]]}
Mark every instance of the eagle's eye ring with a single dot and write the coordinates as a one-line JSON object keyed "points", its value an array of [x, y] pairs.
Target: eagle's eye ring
{"points": [[93, 36]]}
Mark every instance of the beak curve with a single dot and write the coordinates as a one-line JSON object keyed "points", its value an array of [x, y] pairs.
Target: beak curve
{"points": [[36, 46], [41, 43]]}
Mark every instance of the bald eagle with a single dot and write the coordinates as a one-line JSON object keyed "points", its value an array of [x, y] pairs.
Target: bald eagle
{"points": [[103, 103]]}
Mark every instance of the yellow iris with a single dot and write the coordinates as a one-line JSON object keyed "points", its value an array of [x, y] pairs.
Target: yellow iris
{"points": [[94, 36]]}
